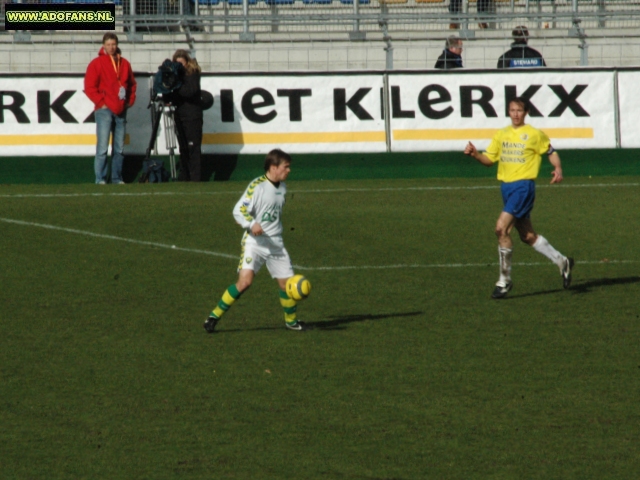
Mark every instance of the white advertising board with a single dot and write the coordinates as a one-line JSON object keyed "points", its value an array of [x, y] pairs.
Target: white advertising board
{"points": [[629, 99], [431, 112], [251, 114], [49, 115], [298, 113]]}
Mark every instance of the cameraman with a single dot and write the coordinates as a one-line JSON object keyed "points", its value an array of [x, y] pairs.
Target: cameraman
{"points": [[188, 117]]}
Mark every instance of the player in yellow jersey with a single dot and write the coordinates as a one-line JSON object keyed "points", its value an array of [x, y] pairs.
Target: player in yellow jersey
{"points": [[518, 150]]}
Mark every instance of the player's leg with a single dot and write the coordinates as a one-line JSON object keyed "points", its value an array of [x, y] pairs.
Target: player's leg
{"points": [[505, 250], [289, 305], [230, 295], [251, 260], [542, 245], [280, 268], [518, 198]]}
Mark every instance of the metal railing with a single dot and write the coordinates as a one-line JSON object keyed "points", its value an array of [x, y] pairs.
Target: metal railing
{"points": [[393, 26], [358, 17]]}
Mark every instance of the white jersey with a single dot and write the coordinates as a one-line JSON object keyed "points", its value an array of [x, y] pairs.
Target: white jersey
{"points": [[262, 203]]}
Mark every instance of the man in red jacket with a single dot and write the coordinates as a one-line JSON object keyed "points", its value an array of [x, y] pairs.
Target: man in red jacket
{"points": [[110, 85]]}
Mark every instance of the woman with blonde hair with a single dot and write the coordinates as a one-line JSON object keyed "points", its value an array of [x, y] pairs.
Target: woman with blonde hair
{"points": [[188, 116]]}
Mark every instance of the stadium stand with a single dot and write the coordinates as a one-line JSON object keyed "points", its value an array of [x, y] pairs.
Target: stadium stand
{"points": [[338, 34]]}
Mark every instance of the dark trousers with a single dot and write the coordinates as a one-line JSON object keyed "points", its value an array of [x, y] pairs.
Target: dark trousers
{"points": [[190, 143]]}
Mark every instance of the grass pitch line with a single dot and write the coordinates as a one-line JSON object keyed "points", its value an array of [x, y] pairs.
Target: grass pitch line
{"points": [[472, 187], [118, 194], [298, 267], [453, 265], [319, 190], [119, 239]]}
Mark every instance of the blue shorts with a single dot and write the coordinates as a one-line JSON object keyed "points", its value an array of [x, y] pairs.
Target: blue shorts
{"points": [[518, 197]]}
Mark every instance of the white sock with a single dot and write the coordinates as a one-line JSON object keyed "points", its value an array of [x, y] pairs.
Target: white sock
{"points": [[544, 247], [505, 265]]}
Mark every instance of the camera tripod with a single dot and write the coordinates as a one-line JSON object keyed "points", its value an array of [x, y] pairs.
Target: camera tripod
{"points": [[161, 110]]}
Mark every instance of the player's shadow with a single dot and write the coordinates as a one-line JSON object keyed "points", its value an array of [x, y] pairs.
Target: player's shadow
{"points": [[586, 287], [336, 322], [339, 322], [578, 288]]}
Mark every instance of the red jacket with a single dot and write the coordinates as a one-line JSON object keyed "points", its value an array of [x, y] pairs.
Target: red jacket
{"points": [[101, 84]]}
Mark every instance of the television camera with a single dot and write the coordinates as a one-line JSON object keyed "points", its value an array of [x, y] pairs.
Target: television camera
{"points": [[167, 79]]}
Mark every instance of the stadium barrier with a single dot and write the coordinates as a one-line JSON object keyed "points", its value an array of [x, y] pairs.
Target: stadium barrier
{"points": [[367, 111]]}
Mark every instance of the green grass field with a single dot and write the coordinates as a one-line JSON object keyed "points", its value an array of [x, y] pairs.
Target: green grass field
{"points": [[411, 371]]}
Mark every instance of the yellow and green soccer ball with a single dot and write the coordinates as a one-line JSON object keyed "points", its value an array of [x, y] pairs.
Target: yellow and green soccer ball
{"points": [[298, 287]]}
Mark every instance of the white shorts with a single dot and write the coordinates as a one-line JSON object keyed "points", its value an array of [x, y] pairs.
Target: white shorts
{"points": [[256, 251]]}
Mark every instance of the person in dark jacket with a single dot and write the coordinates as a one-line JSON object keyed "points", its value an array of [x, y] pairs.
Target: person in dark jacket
{"points": [[521, 55], [451, 55], [188, 117]]}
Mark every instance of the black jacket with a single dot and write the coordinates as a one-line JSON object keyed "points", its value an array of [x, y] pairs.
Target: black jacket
{"points": [[187, 99], [520, 56], [448, 60]]}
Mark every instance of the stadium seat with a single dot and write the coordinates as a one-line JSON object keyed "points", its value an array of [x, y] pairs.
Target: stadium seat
{"points": [[391, 2], [206, 2], [239, 2], [323, 2], [350, 2], [279, 2], [429, 1]]}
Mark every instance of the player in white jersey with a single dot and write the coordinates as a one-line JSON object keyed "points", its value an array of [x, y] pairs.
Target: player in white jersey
{"points": [[259, 213]]}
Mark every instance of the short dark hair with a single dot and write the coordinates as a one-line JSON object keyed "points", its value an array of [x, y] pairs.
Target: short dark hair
{"points": [[520, 34], [276, 157], [109, 36], [523, 102]]}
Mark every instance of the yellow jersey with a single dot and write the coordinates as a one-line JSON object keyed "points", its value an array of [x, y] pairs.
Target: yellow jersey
{"points": [[519, 152]]}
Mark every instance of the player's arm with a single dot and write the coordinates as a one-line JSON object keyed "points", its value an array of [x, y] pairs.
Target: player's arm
{"points": [[554, 159], [472, 151], [243, 213]]}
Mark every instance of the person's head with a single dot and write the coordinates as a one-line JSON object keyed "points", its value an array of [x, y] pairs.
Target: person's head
{"points": [[518, 110], [454, 44], [520, 34], [277, 165], [190, 64], [110, 43]]}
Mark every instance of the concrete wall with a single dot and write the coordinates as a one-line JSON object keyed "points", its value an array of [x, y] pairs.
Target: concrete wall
{"points": [[46, 52]]}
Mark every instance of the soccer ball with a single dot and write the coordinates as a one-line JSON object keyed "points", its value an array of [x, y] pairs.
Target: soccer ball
{"points": [[298, 287]]}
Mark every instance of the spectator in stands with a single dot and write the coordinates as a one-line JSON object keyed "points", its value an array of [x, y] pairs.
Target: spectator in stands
{"points": [[483, 6], [451, 56], [188, 117], [521, 55], [110, 85]]}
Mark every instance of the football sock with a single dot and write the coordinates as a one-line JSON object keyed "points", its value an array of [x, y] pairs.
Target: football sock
{"points": [[505, 265], [229, 296], [544, 247], [289, 307]]}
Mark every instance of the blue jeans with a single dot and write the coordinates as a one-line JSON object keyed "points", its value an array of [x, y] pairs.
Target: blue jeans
{"points": [[107, 122]]}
